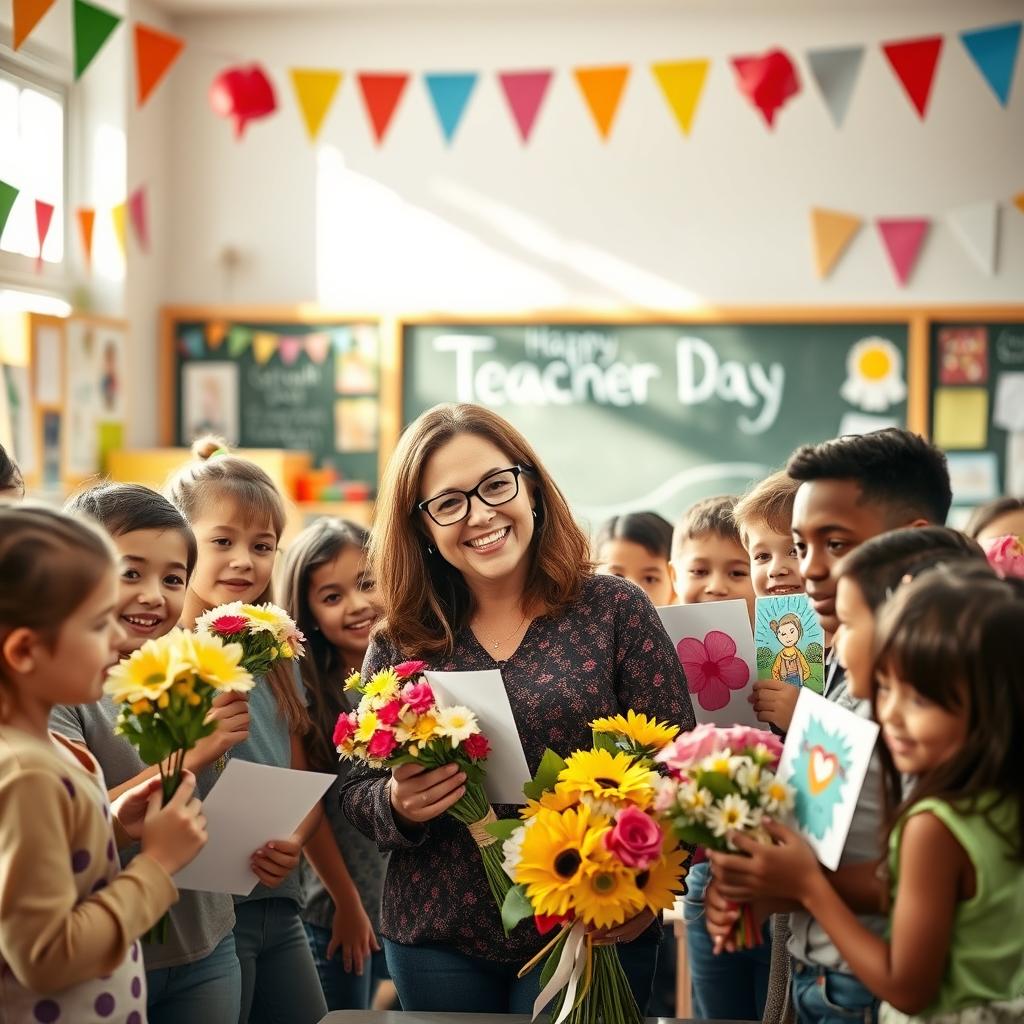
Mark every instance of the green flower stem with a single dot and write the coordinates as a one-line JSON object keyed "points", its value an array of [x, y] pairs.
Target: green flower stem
{"points": [[470, 809]]}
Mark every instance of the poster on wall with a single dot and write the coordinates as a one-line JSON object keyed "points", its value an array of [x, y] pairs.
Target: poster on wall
{"points": [[356, 359], [355, 424], [23, 435], [210, 400], [83, 399]]}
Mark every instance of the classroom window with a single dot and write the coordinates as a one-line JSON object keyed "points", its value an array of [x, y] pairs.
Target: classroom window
{"points": [[32, 160]]}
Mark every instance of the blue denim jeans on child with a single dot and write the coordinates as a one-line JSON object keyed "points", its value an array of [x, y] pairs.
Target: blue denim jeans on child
{"points": [[206, 991], [824, 996]]}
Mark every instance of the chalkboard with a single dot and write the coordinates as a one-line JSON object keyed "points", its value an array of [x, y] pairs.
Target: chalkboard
{"points": [[279, 384], [655, 416], [976, 406]]}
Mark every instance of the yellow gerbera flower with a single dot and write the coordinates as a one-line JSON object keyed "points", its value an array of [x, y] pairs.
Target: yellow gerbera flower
{"points": [[640, 730], [561, 798], [216, 663], [607, 894], [556, 849], [383, 685], [424, 729], [353, 680], [607, 776], [155, 667], [663, 881], [268, 618], [367, 727]]}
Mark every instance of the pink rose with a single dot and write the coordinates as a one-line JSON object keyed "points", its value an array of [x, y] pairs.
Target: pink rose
{"points": [[476, 746], [742, 737], [344, 728], [635, 839], [382, 742], [388, 714], [409, 668], [228, 625], [689, 747], [1006, 555], [419, 697]]}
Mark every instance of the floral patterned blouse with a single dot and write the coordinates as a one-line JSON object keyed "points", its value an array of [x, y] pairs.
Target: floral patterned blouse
{"points": [[606, 653]]}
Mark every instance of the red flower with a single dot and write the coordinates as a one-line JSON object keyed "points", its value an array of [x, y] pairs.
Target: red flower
{"points": [[227, 625], [388, 714], [382, 742], [419, 697], [545, 922], [409, 668], [476, 746], [343, 728], [712, 668]]}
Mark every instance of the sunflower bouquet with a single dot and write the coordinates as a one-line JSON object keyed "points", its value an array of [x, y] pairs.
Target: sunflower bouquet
{"points": [[399, 721], [722, 780], [588, 854], [265, 632]]}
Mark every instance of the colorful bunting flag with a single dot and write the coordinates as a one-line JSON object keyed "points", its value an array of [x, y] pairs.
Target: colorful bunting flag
{"points": [[137, 212], [155, 52], [291, 346], [315, 91], [216, 332], [903, 238], [602, 89], [242, 94], [994, 50], [831, 232], [93, 26], [977, 228], [450, 92], [27, 14], [835, 71], [317, 347], [914, 61], [44, 216], [117, 215], [264, 345], [239, 339], [524, 92], [768, 81], [192, 344], [1018, 201], [682, 82], [8, 193], [381, 94], [86, 219]]}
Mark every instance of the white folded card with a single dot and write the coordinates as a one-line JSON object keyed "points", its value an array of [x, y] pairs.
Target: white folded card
{"points": [[249, 805], [484, 694]]}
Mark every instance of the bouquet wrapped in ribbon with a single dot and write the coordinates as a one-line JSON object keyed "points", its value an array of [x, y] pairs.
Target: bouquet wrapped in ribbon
{"points": [[265, 632], [588, 854], [398, 721], [722, 780]]}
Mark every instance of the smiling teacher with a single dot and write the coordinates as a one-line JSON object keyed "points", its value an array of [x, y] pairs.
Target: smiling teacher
{"points": [[479, 564]]}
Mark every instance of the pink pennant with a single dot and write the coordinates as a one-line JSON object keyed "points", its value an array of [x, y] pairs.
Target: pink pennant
{"points": [[137, 212], [317, 347], [289, 349], [525, 92], [903, 238], [44, 214]]}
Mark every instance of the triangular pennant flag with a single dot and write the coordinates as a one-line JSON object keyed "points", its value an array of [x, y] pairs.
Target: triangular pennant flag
{"points": [[769, 81], [317, 347], [44, 215], [915, 61], [315, 92], [602, 89], [86, 219], [239, 339], [977, 228], [192, 342], [291, 346], [27, 14], [155, 52], [137, 212], [381, 94], [93, 26], [216, 332], [682, 82], [1018, 201], [994, 50], [831, 232], [8, 193], [450, 92], [264, 345], [903, 238], [836, 72], [118, 214], [524, 93]]}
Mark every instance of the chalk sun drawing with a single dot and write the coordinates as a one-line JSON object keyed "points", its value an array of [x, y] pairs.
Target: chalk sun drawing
{"points": [[819, 777]]}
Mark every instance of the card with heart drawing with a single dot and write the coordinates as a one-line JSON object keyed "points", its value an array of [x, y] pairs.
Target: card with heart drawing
{"points": [[826, 756]]}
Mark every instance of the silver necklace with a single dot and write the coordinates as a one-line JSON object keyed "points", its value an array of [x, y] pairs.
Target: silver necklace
{"points": [[495, 644]]}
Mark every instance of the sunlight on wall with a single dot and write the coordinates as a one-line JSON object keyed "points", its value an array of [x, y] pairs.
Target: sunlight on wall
{"points": [[109, 177]]}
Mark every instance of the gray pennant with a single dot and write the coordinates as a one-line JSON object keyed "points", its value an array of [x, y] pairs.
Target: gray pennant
{"points": [[836, 72]]}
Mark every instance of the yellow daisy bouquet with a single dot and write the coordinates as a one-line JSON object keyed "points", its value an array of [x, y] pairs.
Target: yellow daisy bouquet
{"points": [[588, 854], [399, 721], [266, 633]]}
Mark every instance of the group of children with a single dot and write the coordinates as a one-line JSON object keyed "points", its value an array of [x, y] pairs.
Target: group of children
{"points": [[923, 915]]}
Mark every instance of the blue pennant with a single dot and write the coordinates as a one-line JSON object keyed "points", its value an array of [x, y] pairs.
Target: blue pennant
{"points": [[450, 93], [994, 50]]}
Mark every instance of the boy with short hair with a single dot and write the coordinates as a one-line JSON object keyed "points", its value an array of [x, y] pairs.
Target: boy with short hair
{"points": [[851, 489]]}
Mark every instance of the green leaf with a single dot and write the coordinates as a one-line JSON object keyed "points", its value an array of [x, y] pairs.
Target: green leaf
{"points": [[504, 828], [606, 741], [717, 784], [696, 835], [551, 765], [516, 908]]}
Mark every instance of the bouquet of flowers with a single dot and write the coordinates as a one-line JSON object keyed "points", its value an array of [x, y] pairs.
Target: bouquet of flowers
{"points": [[588, 854], [723, 780], [165, 691], [265, 632], [398, 721], [1006, 555]]}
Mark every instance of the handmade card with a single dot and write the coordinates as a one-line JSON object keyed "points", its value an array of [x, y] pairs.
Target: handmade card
{"points": [[716, 649], [826, 756], [963, 355], [790, 641]]}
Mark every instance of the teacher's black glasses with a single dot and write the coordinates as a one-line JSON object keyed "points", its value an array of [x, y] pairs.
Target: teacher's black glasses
{"points": [[495, 489]]}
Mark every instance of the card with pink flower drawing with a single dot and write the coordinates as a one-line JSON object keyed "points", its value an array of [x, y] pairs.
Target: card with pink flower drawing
{"points": [[715, 644]]}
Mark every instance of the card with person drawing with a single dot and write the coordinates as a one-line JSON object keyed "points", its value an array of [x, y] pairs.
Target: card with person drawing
{"points": [[790, 641]]}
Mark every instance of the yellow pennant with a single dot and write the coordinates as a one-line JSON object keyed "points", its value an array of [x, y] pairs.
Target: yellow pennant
{"points": [[602, 89], [264, 345], [315, 92], [117, 214], [831, 232], [682, 82]]}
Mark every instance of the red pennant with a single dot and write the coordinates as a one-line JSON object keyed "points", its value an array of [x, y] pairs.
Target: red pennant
{"points": [[86, 220], [137, 212], [155, 52], [381, 94], [915, 61], [44, 214], [243, 94], [768, 81]]}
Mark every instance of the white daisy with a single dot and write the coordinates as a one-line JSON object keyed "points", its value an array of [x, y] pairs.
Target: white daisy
{"points": [[732, 813], [457, 723], [748, 775], [776, 796]]}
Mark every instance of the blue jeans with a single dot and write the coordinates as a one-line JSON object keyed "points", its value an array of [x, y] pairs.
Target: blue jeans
{"points": [[343, 990], [207, 991], [825, 996], [436, 977], [733, 986], [279, 979]]}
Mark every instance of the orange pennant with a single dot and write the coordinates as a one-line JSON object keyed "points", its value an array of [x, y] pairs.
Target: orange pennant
{"points": [[155, 52], [26, 16], [86, 219], [602, 89], [1018, 201], [216, 332], [831, 232], [682, 82]]}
